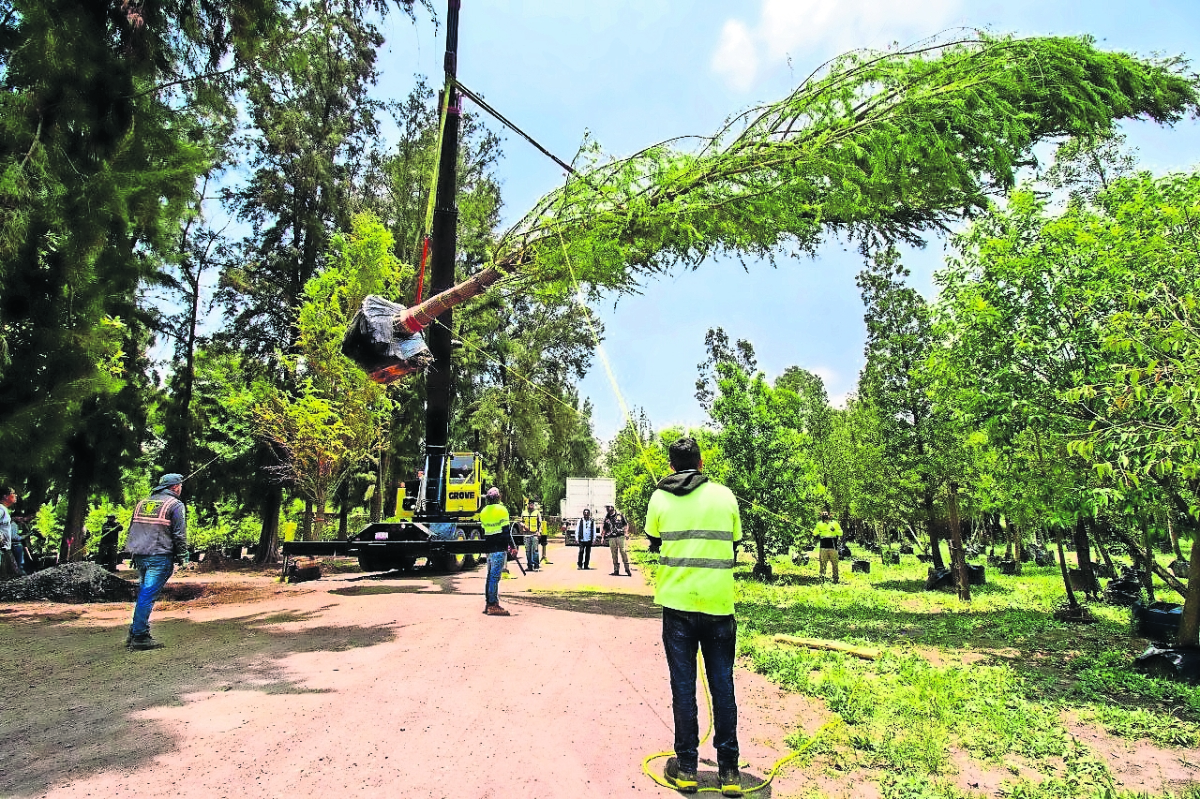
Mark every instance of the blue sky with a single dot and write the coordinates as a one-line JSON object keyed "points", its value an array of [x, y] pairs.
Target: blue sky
{"points": [[637, 71]]}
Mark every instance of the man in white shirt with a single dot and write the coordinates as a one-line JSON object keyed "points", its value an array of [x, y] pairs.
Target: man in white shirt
{"points": [[585, 536]]}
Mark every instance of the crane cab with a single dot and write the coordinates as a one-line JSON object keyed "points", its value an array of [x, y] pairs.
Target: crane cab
{"points": [[462, 496]]}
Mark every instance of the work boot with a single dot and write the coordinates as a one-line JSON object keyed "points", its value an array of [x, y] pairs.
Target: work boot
{"points": [[680, 780], [141, 643], [496, 610], [731, 781], [616, 573], [627, 572]]}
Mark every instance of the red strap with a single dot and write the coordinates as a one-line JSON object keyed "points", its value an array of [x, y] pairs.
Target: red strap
{"points": [[421, 274]]}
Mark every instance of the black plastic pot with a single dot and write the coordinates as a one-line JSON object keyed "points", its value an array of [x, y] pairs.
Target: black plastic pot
{"points": [[1180, 567], [861, 566], [890, 558], [906, 550], [800, 559], [1044, 558], [1010, 567], [939, 578], [1123, 592], [1158, 621], [844, 552], [1173, 663], [976, 575]]}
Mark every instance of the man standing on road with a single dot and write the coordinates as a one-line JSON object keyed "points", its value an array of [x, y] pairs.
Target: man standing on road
{"points": [[585, 536], [157, 539], [699, 525], [614, 534], [532, 522], [828, 532], [494, 518]]}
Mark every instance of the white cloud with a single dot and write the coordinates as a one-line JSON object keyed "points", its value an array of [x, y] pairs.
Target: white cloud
{"points": [[735, 57], [812, 31]]}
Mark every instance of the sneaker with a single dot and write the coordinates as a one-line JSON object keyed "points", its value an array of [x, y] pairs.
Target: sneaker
{"points": [[731, 782], [143, 642], [496, 610], [680, 780]]}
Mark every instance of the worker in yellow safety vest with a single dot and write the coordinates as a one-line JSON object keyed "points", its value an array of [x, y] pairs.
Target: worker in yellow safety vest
{"points": [[536, 534], [495, 521], [698, 524], [827, 533]]}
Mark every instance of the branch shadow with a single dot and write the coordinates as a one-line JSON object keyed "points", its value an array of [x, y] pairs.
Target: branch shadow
{"points": [[75, 695]]}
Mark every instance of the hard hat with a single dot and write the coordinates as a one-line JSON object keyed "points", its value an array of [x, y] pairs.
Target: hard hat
{"points": [[493, 493]]}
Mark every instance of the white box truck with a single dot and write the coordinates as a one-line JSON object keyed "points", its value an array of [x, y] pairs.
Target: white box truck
{"points": [[592, 493]]}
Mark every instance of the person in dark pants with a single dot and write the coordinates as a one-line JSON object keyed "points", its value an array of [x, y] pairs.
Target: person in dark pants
{"points": [[110, 533], [614, 535], [157, 539], [585, 536], [698, 525], [10, 533]]}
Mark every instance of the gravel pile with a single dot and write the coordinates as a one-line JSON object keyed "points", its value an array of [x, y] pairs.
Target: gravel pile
{"points": [[70, 582]]}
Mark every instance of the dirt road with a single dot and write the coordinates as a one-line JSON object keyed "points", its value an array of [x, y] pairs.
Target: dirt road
{"points": [[357, 686]]}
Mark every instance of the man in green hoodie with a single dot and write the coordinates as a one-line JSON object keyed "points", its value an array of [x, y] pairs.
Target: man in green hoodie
{"points": [[698, 524]]}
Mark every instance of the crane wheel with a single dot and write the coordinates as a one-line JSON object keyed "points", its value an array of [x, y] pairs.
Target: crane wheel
{"points": [[469, 560], [450, 561]]}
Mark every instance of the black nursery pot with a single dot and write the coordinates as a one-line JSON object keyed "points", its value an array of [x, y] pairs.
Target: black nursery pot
{"points": [[1158, 621]]}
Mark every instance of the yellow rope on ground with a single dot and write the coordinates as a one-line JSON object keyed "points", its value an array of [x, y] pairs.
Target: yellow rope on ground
{"points": [[771, 773]]}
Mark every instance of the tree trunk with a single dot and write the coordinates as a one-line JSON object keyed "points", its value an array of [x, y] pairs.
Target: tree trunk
{"points": [[268, 537], [1083, 556], [957, 556], [1174, 537], [762, 569], [375, 506], [319, 506], [934, 541], [344, 510], [1062, 563], [1008, 539], [306, 522], [1147, 573], [1102, 546], [79, 489], [1189, 625]]}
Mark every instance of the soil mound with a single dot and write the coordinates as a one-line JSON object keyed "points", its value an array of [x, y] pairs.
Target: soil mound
{"points": [[70, 582]]}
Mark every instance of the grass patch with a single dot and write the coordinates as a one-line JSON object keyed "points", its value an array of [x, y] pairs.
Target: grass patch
{"points": [[990, 678]]}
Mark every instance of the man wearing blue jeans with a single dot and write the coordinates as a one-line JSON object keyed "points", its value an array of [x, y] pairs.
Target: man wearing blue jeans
{"points": [[157, 538], [698, 524], [494, 518]]}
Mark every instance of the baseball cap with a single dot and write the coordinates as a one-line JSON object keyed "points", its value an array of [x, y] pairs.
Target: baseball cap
{"points": [[169, 479]]}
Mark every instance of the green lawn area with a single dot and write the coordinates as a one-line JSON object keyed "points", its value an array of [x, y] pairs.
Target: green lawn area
{"points": [[994, 680]]}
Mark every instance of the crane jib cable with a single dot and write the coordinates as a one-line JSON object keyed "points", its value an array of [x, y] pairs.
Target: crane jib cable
{"points": [[475, 98]]}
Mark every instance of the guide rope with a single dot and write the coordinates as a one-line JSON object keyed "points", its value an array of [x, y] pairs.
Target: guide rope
{"points": [[432, 201]]}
